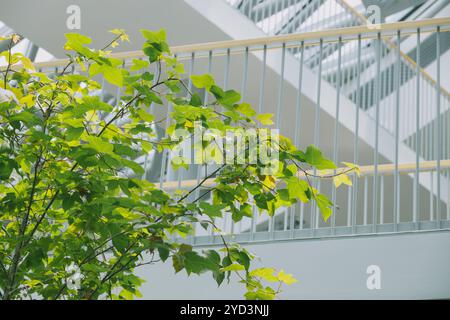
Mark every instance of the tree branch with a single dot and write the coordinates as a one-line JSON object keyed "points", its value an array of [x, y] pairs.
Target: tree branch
{"points": [[201, 183]]}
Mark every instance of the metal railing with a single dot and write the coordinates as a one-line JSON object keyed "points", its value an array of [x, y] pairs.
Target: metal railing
{"points": [[296, 16], [351, 218], [271, 73]]}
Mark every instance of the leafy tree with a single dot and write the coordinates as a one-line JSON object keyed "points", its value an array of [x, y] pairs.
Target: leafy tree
{"points": [[77, 219]]}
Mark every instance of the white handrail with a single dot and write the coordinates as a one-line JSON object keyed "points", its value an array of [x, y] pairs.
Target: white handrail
{"points": [[261, 41], [383, 169]]}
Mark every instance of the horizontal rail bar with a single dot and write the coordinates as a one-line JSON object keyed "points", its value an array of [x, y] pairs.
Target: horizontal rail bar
{"points": [[329, 33], [287, 39], [229, 44], [383, 169], [204, 241]]}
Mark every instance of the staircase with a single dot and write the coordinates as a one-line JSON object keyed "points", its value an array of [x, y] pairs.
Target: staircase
{"points": [[330, 58]]}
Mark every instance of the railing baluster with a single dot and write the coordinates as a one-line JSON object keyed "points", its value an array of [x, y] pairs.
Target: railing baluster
{"points": [[227, 70], [200, 166], [278, 112], [260, 110], [366, 187], [285, 216], [448, 195], [191, 72], [245, 75], [243, 92], [298, 120], [381, 199], [165, 155], [356, 149], [377, 124], [438, 129], [293, 211], [317, 225], [302, 217], [253, 222], [317, 112], [281, 87], [430, 128], [336, 131], [225, 86], [102, 91], [271, 224], [262, 81], [397, 134], [299, 97], [432, 196], [416, 197], [349, 206]]}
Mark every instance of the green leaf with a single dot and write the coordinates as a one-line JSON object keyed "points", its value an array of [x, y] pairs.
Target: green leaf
{"points": [[152, 53], [219, 277], [6, 168], [314, 157], [133, 166], [151, 36], [89, 104], [127, 295], [113, 75], [233, 267], [79, 38], [147, 117], [77, 43], [139, 64], [194, 263], [73, 133], [226, 98], [324, 205], [246, 110], [298, 189], [26, 117], [195, 100], [203, 81], [212, 210], [163, 253], [99, 145]]}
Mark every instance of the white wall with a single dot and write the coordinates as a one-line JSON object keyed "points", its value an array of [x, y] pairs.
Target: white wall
{"points": [[413, 266]]}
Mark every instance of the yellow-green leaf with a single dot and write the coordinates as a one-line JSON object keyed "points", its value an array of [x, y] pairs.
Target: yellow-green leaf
{"points": [[265, 118], [139, 64], [147, 117], [246, 109], [265, 274], [202, 81], [233, 267], [342, 179], [353, 166], [286, 277], [113, 75]]}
